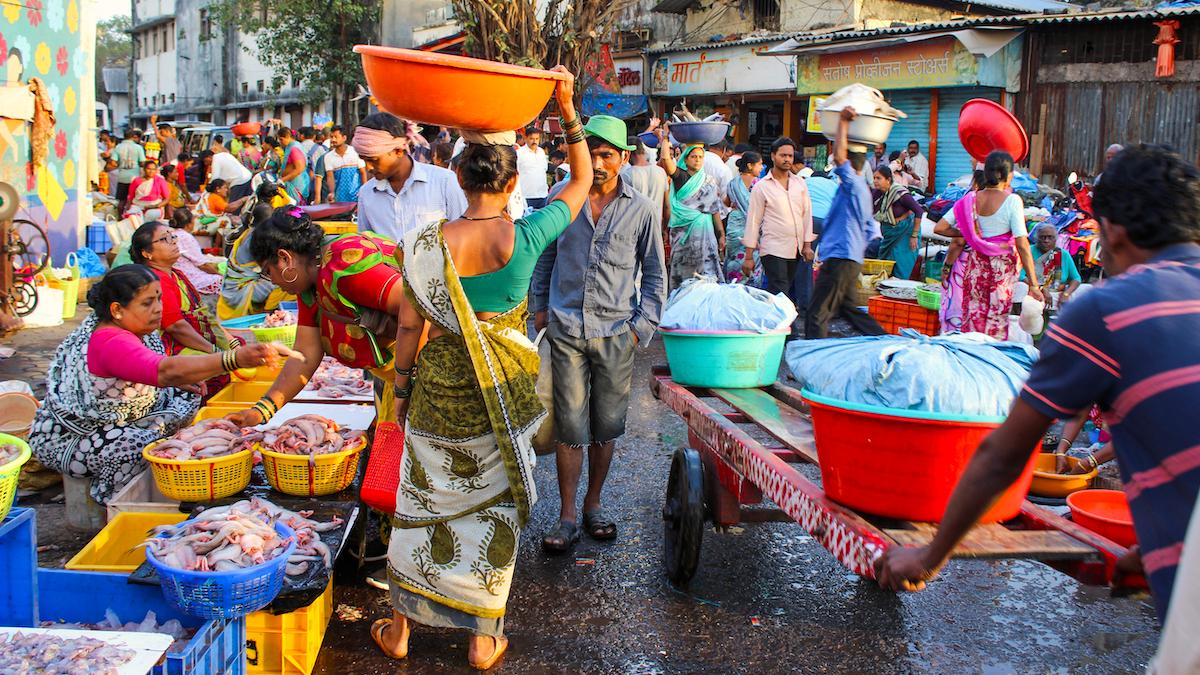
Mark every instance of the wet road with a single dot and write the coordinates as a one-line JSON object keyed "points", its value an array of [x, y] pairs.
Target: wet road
{"points": [[766, 599]]}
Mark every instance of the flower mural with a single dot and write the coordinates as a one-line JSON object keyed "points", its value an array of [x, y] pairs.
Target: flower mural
{"points": [[62, 61], [12, 12], [60, 145], [41, 58], [56, 13], [73, 16], [34, 7]]}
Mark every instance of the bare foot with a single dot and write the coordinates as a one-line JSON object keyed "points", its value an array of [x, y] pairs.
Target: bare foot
{"points": [[486, 651]]}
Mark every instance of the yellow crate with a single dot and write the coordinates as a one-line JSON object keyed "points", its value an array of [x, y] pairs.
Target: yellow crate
{"points": [[872, 267], [115, 548], [287, 644], [240, 394], [338, 226]]}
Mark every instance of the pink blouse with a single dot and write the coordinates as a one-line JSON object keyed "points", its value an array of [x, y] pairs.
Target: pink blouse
{"points": [[115, 352]]}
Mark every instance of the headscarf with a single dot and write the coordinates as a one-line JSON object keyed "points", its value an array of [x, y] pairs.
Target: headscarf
{"points": [[376, 142], [687, 150]]}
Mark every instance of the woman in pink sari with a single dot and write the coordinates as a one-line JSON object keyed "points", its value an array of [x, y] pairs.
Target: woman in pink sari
{"points": [[992, 222], [148, 193]]}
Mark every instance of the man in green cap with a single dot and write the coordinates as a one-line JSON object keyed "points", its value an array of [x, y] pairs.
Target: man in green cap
{"points": [[599, 292]]}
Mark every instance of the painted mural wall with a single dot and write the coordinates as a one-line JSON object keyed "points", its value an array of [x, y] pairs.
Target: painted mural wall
{"points": [[52, 40]]}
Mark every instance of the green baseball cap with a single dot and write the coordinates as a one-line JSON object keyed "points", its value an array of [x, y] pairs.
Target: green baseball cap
{"points": [[610, 130]]}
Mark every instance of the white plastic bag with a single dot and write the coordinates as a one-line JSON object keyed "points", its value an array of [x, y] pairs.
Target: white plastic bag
{"points": [[865, 101], [704, 304], [1032, 319]]}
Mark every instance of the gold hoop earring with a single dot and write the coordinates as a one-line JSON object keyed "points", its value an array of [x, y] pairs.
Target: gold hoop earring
{"points": [[295, 276]]}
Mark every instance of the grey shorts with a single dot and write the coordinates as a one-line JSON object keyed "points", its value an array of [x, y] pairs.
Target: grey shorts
{"points": [[591, 385]]}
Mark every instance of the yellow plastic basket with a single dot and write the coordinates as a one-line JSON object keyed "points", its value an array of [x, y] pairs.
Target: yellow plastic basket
{"points": [[200, 480], [284, 335], [10, 472], [293, 475], [873, 267], [115, 548]]}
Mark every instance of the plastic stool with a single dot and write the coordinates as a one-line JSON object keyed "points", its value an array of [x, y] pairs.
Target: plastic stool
{"points": [[83, 513]]}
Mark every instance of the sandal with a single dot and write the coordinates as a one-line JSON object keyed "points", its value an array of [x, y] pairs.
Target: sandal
{"points": [[598, 526], [562, 539], [377, 629], [499, 648]]}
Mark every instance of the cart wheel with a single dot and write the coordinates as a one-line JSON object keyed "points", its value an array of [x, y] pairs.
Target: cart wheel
{"points": [[683, 516], [24, 298]]}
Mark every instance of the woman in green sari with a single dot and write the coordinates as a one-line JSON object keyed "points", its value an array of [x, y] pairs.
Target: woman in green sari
{"points": [[697, 234], [899, 217], [466, 477]]}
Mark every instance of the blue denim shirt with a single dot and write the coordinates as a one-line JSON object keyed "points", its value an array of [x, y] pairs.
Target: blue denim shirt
{"points": [[851, 220], [604, 278]]}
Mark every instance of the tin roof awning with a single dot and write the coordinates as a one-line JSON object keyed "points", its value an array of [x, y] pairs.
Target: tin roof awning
{"points": [[673, 6], [983, 41]]}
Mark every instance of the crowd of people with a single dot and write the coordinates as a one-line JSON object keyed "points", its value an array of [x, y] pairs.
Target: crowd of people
{"points": [[459, 239]]}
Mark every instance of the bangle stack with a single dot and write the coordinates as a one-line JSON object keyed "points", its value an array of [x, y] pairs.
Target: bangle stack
{"points": [[266, 407], [411, 373], [229, 360], [574, 131], [1092, 461]]}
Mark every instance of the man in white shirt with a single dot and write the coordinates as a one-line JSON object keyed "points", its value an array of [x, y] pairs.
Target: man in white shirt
{"points": [[227, 167], [714, 165], [917, 165], [532, 163], [403, 194]]}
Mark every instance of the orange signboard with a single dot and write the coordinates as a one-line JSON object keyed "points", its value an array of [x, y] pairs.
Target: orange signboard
{"points": [[939, 62]]}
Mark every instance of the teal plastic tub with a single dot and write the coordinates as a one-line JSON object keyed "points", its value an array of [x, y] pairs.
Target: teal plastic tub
{"points": [[724, 359]]}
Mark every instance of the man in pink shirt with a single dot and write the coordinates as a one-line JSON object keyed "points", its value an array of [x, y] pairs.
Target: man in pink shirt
{"points": [[779, 223]]}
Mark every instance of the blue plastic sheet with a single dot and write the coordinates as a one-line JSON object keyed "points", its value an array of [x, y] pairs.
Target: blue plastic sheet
{"points": [[704, 304], [1023, 182], [958, 373], [90, 264]]}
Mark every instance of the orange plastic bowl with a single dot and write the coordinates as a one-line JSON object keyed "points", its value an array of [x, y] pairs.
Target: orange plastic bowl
{"points": [[1105, 512], [984, 126], [455, 91], [246, 128]]}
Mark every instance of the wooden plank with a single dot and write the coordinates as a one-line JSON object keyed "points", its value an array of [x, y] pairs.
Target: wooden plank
{"points": [[994, 541], [779, 419]]}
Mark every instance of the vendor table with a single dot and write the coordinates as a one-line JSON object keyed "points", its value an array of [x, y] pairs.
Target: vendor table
{"points": [[727, 470], [148, 647]]}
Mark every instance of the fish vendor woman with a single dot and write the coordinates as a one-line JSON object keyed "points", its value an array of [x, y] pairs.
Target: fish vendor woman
{"points": [[349, 298], [112, 389]]}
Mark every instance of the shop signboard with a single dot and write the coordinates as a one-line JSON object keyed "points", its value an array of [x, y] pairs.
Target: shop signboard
{"points": [[629, 75], [814, 116], [722, 70], [941, 62]]}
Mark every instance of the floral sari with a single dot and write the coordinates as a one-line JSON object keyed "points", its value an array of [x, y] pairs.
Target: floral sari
{"points": [[735, 227], [466, 478], [96, 427], [300, 187], [693, 240], [989, 271]]}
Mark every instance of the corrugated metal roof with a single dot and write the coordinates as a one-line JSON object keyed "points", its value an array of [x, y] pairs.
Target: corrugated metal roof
{"points": [[1023, 6], [116, 80], [673, 6], [756, 40]]}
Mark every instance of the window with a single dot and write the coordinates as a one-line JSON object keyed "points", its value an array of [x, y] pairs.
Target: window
{"points": [[154, 41], [245, 88], [205, 25], [172, 98], [766, 15], [260, 86]]}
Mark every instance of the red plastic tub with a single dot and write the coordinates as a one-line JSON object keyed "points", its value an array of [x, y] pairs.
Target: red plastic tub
{"points": [[902, 463], [1105, 512]]}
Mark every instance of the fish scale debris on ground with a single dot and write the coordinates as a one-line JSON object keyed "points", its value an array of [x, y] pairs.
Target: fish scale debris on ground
{"points": [[41, 654], [207, 439], [224, 538]]}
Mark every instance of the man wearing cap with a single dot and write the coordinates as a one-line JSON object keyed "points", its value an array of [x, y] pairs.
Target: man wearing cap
{"points": [[598, 291]]}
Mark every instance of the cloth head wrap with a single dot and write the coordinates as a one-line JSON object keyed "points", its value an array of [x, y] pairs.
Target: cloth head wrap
{"points": [[489, 138], [376, 142], [687, 150]]}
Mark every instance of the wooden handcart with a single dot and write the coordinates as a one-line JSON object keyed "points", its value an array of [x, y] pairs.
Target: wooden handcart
{"points": [[726, 471]]}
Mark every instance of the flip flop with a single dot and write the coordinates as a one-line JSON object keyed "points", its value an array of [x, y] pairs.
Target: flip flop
{"points": [[598, 526], [377, 629], [499, 648], [562, 539]]}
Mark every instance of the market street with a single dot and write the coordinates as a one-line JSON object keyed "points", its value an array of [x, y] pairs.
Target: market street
{"points": [[619, 614]]}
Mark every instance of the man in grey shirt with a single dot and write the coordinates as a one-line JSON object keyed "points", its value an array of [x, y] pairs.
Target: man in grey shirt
{"points": [[599, 292]]}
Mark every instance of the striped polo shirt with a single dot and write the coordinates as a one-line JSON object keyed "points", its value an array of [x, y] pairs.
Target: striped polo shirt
{"points": [[1132, 345]]}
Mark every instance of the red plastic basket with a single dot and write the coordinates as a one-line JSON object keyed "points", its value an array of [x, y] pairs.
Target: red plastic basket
{"points": [[383, 468], [893, 315]]}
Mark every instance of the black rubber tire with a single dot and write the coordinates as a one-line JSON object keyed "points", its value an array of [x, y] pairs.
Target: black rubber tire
{"points": [[683, 516], [24, 298]]}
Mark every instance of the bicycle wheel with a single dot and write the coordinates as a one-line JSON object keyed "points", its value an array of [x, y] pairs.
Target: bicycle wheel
{"points": [[28, 247], [24, 297]]}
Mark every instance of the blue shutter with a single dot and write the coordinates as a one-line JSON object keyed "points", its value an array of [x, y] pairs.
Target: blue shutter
{"points": [[953, 162], [915, 104]]}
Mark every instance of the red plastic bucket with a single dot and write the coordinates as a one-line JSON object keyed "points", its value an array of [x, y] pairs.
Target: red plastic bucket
{"points": [[1105, 512], [902, 463], [984, 126]]}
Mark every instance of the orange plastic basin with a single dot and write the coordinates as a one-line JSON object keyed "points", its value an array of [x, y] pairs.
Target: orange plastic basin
{"points": [[1105, 512], [984, 126], [455, 91], [901, 463], [1047, 483]]}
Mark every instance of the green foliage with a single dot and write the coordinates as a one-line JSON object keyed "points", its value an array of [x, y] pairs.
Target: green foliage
{"points": [[113, 44], [306, 40]]}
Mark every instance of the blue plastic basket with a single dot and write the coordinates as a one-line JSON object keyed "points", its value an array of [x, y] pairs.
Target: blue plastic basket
{"points": [[225, 595], [725, 359]]}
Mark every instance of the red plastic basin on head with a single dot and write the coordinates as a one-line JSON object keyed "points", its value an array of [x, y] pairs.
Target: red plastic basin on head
{"points": [[984, 126], [246, 128], [901, 463], [1105, 512]]}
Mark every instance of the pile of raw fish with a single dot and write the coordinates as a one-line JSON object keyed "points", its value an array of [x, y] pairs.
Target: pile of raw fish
{"points": [[150, 624], [310, 435], [240, 535], [206, 440], [277, 319], [334, 379], [41, 654], [9, 452]]}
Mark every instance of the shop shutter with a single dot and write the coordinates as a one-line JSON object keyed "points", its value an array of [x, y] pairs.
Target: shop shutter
{"points": [[914, 103], [953, 162]]}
